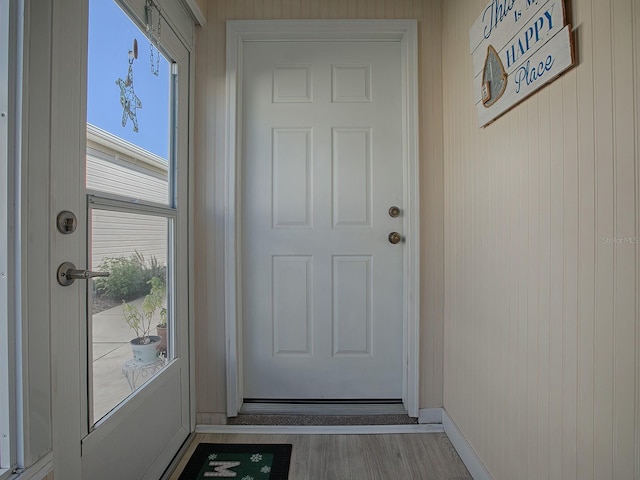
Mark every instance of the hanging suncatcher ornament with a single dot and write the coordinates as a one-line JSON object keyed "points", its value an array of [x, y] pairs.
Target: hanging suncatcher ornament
{"points": [[128, 98], [154, 36]]}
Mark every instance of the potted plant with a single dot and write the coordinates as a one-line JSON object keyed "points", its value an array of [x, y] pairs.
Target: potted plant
{"points": [[144, 345], [161, 330]]}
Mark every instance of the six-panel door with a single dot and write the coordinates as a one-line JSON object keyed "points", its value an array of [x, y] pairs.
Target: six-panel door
{"points": [[321, 165]]}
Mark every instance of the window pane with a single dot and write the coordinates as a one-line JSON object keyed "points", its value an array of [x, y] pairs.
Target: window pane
{"points": [[129, 113], [131, 303], [128, 107], [123, 169]]}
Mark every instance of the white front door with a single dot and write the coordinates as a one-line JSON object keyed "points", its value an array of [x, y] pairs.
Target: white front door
{"points": [[321, 167], [122, 169]]}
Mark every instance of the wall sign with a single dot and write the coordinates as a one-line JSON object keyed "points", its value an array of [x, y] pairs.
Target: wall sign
{"points": [[517, 46]]}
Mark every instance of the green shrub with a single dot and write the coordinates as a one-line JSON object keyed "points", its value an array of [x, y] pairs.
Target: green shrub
{"points": [[153, 269], [129, 278]]}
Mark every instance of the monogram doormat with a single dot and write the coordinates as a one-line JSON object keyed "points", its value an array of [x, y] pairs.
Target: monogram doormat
{"points": [[239, 461]]}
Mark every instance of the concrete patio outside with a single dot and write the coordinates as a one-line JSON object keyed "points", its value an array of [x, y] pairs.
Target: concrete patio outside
{"points": [[111, 348]]}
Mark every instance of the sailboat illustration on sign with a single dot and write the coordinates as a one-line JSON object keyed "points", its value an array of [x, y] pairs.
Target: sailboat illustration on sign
{"points": [[494, 78]]}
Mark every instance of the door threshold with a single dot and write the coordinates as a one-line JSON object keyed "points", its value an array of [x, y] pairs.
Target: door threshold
{"points": [[319, 429], [320, 408]]}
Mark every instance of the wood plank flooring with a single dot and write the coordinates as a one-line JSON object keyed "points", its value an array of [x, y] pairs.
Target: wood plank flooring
{"points": [[428, 456]]}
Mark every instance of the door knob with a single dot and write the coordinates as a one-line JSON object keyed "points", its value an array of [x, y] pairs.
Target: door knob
{"points": [[394, 212], [395, 237], [67, 274]]}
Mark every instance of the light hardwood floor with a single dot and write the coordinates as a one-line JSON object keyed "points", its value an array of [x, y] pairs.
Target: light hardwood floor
{"points": [[428, 456]]}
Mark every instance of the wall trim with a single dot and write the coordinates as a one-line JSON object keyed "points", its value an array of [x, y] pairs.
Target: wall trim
{"points": [[404, 31], [37, 471], [208, 418], [468, 455], [430, 415], [196, 12], [319, 429], [430, 420]]}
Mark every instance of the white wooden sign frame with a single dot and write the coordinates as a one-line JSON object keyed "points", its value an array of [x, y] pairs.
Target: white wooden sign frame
{"points": [[517, 47]]}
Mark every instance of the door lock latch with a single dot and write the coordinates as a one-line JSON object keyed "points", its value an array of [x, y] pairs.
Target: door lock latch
{"points": [[66, 222]]}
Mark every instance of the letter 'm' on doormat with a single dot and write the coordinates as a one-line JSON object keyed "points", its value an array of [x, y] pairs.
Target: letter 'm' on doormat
{"points": [[240, 461]]}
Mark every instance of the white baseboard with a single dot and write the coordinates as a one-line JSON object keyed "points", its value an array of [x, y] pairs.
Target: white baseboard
{"points": [[430, 420], [37, 471], [430, 415], [211, 418], [469, 457], [319, 430]]}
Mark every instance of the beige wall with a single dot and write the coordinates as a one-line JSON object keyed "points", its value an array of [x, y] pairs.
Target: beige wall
{"points": [[202, 4], [542, 337], [209, 199]]}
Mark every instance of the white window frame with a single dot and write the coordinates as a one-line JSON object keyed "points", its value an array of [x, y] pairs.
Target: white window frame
{"points": [[28, 446], [7, 281]]}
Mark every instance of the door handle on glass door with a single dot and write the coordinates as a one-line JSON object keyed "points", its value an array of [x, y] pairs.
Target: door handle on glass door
{"points": [[67, 274]]}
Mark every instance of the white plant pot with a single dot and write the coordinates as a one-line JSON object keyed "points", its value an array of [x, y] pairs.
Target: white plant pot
{"points": [[145, 354]]}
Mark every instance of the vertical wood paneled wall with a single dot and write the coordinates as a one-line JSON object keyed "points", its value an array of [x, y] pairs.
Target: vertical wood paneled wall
{"points": [[209, 183], [542, 337]]}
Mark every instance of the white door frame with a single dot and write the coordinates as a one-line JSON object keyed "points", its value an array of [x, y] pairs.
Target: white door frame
{"points": [[403, 31]]}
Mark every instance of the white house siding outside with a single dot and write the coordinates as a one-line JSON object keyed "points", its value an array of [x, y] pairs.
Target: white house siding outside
{"points": [[115, 166]]}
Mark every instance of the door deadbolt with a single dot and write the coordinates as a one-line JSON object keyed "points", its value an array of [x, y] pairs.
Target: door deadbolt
{"points": [[395, 237], [67, 222], [394, 212], [67, 274]]}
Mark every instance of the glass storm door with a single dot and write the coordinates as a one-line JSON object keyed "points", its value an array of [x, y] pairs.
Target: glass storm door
{"points": [[136, 171]]}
